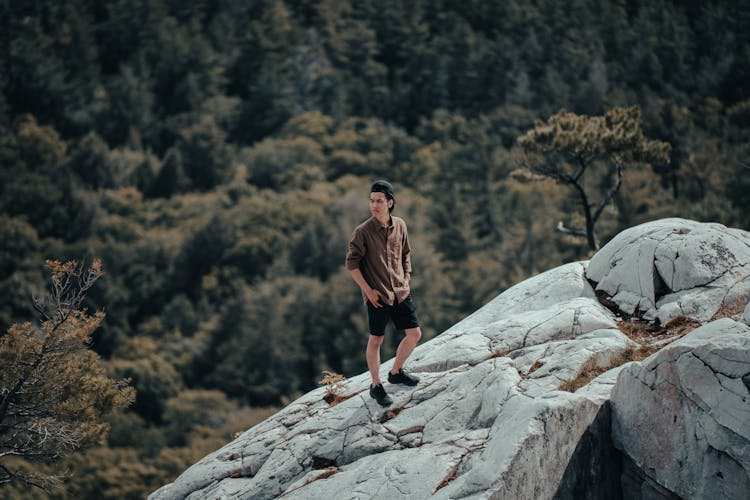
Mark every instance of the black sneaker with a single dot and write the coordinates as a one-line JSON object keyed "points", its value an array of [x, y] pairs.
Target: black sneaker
{"points": [[378, 393], [402, 378]]}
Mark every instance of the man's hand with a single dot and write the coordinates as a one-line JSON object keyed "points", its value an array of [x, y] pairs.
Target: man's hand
{"points": [[374, 297]]}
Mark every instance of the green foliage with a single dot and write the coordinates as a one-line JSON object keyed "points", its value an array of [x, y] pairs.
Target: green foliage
{"points": [[260, 344], [289, 163], [616, 134], [154, 379], [193, 408]]}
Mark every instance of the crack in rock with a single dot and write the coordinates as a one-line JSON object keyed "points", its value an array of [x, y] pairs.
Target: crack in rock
{"points": [[716, 371], [547, 320]]}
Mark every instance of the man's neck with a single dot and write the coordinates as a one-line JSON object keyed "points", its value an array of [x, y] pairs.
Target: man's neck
{"points": [[386, 222]]}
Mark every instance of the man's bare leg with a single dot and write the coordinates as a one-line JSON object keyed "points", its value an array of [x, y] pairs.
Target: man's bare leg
{"points": [[405, 348], [373, 357]]}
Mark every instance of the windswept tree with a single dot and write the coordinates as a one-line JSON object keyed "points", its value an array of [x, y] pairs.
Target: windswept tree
{"points": [[54, 392], [568, 145]]}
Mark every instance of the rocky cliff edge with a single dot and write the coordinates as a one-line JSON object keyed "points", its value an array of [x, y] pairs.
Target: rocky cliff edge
{"points": [[625, 376]]}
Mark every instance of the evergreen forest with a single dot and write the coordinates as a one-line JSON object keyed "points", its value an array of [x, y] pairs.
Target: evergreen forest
{"points": [[217, 154]]}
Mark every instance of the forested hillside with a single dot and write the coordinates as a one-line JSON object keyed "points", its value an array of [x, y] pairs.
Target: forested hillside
{"points": [[216, 156]]}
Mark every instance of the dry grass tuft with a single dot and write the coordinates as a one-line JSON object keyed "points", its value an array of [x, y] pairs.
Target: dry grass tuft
{"points": [[682, 325], [588, 372], [590, 369], [636, 354], [335, 383], [639, 331], [650, 334]]}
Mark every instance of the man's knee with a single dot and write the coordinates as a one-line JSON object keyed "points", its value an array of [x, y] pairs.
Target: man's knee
{"points": [[376, 340], [414, 333]]}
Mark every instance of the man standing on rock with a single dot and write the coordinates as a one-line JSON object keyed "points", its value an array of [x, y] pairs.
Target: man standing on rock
{"points": [[379, 261]]}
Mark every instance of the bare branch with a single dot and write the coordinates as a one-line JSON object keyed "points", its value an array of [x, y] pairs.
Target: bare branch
{"points": [[610, 194], [40, 306], [575, 232], [43, 482], [581, 168]]}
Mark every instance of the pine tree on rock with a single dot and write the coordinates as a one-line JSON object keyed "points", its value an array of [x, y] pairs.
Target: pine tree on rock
{"points": [[568, 145]]}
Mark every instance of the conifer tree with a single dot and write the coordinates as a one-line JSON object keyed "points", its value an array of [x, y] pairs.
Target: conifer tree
{"points": [[568, 145], [54, 392]]}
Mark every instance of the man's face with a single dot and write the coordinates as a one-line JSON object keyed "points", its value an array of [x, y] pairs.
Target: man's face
{"points": [[379, 205]]}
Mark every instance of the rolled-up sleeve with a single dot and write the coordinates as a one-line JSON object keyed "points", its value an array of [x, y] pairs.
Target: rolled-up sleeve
{"points": [[356, 251]]}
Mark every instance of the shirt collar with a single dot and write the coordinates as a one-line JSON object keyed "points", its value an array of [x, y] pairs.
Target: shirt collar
{"points": [[377, 225]]}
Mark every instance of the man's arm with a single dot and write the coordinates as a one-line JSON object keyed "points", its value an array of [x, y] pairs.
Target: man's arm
{"points": [[354, 256], [372, 295]]}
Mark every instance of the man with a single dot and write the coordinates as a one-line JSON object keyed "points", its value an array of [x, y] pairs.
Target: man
{"points": [[379, 261]]}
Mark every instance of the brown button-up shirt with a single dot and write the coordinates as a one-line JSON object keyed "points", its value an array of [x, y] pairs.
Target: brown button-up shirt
{"points": [[383, 256]]}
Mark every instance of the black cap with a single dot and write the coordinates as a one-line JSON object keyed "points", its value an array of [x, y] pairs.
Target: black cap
{"points": [[383, 187]]}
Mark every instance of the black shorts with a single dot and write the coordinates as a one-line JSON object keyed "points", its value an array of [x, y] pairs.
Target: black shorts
{"points": [[403, 314]]}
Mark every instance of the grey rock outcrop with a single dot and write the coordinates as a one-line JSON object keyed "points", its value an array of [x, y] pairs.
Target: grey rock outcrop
{"points": [[674, 267], [480, 416], [683, 415], [488, 418]]}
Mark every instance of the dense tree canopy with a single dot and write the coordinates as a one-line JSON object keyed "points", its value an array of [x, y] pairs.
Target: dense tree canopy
{"points": [[217, 155]]}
